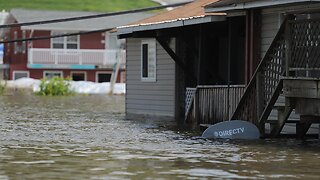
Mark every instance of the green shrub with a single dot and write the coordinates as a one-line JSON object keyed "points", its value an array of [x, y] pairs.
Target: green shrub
{"points": [[55, 86], [2, 87]]}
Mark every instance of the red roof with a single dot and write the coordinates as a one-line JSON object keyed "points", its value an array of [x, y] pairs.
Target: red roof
{"points": [[192, 10]]}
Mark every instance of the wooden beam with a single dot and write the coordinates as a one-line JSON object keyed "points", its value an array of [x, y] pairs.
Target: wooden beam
{"points": [[199, 60], [305, 122], [171, 53], [302, 129], [283, 115], [144, 34]]}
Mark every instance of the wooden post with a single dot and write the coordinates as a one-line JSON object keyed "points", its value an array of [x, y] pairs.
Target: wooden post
{"points": [[283, 114], [303, 126], [196, 108], [230, 34], [259, 94], [302, 129], [115, 71], [253, 27], [319, 132], [200, 56], [288, 49]]}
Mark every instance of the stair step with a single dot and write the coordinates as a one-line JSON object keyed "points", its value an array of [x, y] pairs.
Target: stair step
{"points": [[275, 121]]}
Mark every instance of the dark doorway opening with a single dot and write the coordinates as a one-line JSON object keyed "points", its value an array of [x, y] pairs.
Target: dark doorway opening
{"points": [[103, 77]]}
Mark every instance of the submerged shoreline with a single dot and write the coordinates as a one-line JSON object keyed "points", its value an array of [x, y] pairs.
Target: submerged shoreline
{"points": [[80, 87]]}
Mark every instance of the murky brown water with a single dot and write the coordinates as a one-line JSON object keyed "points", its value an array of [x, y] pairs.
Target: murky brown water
{"points": [[87, 137]]}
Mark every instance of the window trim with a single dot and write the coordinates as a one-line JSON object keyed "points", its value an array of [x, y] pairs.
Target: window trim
{"points": [[103, 72], [75, 72], [153, 42], [44, 73], [14, 72], [65, 39]]}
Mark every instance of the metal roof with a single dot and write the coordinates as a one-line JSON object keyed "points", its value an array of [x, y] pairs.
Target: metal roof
{"points": [[4, 19], [108, 22], [192, 13], [227, 5]]}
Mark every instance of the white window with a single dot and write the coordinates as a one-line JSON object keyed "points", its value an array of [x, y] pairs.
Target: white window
{"points": [[148, 60], [51, 74], [20, 74], [103, 77], [79, 76], [67, 42]]}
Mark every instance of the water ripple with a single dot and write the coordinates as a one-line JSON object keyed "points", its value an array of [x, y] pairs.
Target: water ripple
{"points": [[88, 137]]}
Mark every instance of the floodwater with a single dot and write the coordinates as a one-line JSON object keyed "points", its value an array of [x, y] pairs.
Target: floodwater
{"points": [[88, 137]]}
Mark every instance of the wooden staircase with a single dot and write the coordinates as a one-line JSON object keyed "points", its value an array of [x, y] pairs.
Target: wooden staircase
{"points": [[293, 54], [265, 87]]}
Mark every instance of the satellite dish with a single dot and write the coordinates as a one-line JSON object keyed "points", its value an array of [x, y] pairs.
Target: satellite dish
{"points": [[234, 129]]}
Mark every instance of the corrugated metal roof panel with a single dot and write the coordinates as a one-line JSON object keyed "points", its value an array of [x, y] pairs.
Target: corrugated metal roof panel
{"points": [[193, 10]]}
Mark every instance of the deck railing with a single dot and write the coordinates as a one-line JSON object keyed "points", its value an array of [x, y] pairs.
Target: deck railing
{"points": [[304, 48], [75, 56], [212, 104]]}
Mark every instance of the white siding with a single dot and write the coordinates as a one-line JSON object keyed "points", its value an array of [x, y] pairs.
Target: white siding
{"points": [[270, 24], [149, 98]]}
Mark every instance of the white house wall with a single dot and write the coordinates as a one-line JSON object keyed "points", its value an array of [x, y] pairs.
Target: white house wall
{"points": [[149, 98], [270, 24]]}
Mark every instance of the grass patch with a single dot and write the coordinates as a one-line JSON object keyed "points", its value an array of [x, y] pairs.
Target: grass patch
{"points": [[77, 5], [55, 86]]}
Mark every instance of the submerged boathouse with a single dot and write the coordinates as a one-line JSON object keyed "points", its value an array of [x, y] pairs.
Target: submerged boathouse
{"points": [[211, 61]]}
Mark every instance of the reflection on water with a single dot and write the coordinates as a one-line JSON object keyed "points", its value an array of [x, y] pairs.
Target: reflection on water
{"points": [[87, 137]]}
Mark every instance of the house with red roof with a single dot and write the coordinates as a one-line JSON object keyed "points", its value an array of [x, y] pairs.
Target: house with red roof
{"points": [[83, 57]]}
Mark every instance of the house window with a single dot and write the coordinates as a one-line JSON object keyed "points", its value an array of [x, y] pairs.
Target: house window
{"points": [[79, 76], [67, 42], [51, 74], [148, 60], [103, 77], [20, 74]]}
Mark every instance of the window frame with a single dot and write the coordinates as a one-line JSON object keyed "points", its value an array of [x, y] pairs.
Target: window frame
{"points": [[14, 74], [152, 43], [103, 72], [65, 41], [79, 72], [44, 73]]}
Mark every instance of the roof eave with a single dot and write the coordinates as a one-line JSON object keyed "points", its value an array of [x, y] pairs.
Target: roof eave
{"points": [[172, 24], [59, 29], [251, 5]]}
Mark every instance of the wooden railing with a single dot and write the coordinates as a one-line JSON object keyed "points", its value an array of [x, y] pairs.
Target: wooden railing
{"points": [[75, 56], [265, 85], [304, 48], [212, 104]]}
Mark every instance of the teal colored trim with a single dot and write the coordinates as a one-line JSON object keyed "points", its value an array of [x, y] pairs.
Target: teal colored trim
{"points": [[61, 66], [79, 66]]}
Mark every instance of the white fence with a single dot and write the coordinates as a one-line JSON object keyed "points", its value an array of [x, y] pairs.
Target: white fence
{"points": [[75, 56]]}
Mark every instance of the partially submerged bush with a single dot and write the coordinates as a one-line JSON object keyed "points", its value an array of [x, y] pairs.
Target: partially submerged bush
{"points": [[2, 87], [55, 86]]}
